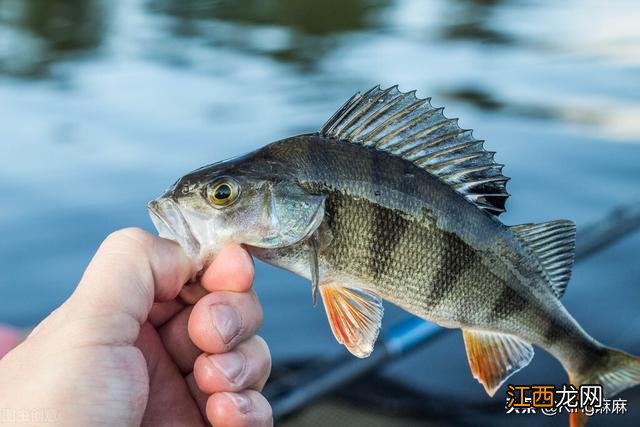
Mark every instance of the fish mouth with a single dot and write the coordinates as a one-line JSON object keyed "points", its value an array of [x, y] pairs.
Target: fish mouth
{"points": [[171, 224]]}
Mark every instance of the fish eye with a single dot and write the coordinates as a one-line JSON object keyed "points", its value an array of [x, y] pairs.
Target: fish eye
{"points": [[223, 192]]}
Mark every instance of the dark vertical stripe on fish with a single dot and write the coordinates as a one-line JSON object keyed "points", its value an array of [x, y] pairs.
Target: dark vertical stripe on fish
{"points": [[377, 235], [386, 237], [386, 230], [456, 262], [508, 303], [378, 226]]}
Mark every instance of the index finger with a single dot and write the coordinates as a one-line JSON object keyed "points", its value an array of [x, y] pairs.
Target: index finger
{"points": [[232, 270]]}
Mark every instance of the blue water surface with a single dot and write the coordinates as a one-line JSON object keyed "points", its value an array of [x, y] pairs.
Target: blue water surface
{"points": [[103, 104]]}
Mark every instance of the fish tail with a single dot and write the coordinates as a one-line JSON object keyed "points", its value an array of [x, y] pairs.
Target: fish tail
{"points": [[615, 370]]}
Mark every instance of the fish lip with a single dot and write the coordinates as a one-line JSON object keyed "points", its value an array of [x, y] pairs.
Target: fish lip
{"points": [[159, 210]]}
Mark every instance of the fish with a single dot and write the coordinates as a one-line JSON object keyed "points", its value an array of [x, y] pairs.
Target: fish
{"points": [[391, 200]]}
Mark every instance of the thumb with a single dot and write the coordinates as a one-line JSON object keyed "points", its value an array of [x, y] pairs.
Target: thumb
{"points": [[131, 270]]}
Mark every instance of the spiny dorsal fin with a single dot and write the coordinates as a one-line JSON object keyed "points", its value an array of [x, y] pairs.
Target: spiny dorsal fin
{"points": [[494, 357], [553, 244], [403, 125]]}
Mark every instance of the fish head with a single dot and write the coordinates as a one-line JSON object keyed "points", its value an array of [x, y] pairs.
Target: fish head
{"points": [[249, 200]]}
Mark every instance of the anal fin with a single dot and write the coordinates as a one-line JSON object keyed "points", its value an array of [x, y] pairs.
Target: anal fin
{"points": [[494, 357], [355, 316]]}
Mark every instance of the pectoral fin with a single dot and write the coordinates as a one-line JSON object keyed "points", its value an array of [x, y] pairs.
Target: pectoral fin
{"points": [[355, 316], [313, 265], [494, 357]]}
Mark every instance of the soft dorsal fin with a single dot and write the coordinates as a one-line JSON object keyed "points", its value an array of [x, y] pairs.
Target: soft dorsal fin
{"points": [[403, 125], [553, 244], [494, 357], [355, 316]]}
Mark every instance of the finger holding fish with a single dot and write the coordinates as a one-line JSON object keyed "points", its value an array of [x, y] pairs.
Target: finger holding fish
{"points": [[232, 270], [245, 409], [230, 313], [219, 382], [221, 320], [247, 366]]}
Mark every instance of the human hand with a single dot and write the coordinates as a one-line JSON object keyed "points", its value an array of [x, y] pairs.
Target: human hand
{"points": [[122, 350]]}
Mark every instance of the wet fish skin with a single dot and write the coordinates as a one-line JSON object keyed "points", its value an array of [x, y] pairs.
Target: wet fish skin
{"points": [[392, 200], [463, 271]]}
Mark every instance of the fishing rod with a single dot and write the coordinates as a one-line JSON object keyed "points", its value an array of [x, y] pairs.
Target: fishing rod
{"points": [[294, 392]]}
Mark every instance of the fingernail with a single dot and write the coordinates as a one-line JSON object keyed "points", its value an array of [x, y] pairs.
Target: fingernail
{"points": [[226, 320], [229, 364], [241, 402]]}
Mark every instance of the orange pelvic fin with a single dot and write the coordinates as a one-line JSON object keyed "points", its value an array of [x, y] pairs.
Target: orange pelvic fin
{"points": [[355, 316]]}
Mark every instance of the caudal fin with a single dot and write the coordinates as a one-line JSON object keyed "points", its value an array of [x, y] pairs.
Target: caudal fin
{"points": [[615, 370]]}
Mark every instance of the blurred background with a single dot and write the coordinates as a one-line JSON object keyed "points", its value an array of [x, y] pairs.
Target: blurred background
{"points": [[103, 104]]}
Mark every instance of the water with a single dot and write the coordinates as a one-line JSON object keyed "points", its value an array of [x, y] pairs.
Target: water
{"points": [[105, 103]]}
